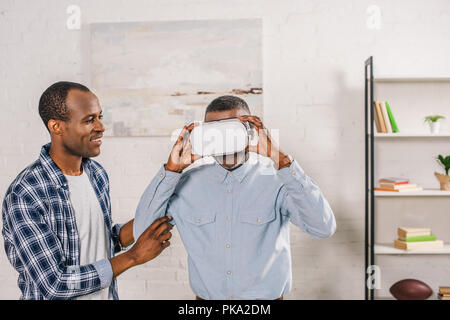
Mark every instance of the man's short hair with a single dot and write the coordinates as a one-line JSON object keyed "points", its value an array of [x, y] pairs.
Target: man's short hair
{"points": [[225, 103], [52, 104]]}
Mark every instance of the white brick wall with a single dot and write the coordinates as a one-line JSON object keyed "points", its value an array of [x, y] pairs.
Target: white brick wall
{"points": [[313, 89]]}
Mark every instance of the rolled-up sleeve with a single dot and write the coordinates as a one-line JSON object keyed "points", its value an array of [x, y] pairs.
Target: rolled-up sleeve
{"points": [[304, 203]]}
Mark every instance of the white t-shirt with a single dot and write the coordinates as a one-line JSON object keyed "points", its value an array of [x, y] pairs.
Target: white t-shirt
{"points": [[90, 225]]}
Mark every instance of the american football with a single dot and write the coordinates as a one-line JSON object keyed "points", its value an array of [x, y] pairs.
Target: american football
{"points": [[410, 289]]}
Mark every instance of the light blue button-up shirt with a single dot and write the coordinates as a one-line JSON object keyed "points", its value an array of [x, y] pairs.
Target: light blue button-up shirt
{"points": [[235, 224]]}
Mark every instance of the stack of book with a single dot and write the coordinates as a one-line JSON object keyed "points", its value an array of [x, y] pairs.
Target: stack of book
{"points": [[444, 293], [416, 239], [384, 118], [395, 184]]}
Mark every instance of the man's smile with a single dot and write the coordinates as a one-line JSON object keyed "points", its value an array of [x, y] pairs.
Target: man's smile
{"points": [[97, 140]]}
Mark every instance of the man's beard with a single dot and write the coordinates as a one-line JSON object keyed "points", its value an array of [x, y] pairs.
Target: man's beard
{"points": [[223, 160]]}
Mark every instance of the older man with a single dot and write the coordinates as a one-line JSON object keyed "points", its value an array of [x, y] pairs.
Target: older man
{"points": [[233, 215]]}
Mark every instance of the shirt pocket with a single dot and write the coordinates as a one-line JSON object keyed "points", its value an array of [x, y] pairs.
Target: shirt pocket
{"points": [[257, 217], [257, 229], [200, 232], [201, 218]]}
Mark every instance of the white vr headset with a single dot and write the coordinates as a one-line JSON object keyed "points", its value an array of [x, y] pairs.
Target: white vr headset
{"points": [[222, 137]]}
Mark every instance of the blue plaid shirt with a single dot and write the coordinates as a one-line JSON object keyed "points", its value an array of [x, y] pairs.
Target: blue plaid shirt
{"points": [[40, 233]]}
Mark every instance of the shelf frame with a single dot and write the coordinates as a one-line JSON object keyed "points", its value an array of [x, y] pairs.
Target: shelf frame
{"points": [[369, 174], [370, 137]]}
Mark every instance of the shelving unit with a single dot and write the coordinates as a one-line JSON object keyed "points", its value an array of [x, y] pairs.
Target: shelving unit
{"points": [[372, 248]]}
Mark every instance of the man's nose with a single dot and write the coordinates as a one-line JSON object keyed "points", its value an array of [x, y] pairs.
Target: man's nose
{"points": [[100, 127]]}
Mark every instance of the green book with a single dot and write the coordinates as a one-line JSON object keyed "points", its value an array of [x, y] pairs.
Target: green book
{"points": [[391, 118], [430, 237]]}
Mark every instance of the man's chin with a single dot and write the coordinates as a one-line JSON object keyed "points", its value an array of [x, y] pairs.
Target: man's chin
{"points": [[92, 153]]}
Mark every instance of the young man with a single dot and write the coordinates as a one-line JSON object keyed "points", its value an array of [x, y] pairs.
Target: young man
{"points": [[57, 225], [233, 217]]}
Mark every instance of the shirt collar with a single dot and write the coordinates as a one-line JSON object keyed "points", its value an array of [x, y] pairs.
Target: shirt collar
{"points": [[238, 174], [52, 169]]}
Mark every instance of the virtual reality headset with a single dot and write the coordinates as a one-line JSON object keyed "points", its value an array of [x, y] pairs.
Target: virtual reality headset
{"points": [[221, 137]]}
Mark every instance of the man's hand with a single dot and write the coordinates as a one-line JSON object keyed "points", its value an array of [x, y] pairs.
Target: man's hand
{"points": [[266, 147], [181, 156], [152, 242], [147, 247]]}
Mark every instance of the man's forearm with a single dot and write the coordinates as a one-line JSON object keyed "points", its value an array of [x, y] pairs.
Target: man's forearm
{"points": [[121, 263], [126, 234], [305, 203]]}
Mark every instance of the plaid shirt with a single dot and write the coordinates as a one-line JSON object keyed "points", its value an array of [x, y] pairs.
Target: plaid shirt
{"points": [[40, 233]]}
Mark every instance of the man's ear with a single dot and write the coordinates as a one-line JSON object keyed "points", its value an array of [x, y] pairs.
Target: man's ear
{"points": [[55, 127]]}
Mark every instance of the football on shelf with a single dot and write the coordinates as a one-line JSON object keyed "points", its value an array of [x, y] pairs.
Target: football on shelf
{"points": [[410, 289]]}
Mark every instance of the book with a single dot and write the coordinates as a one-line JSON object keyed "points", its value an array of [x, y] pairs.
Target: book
{"points": [[444, 290], [394, 180], [430, 237], [406, 232], [420, 245], [375, 117], [380, 117], [398, 186], [391, 118], [399, 190], [387, 122], [443, 296]]}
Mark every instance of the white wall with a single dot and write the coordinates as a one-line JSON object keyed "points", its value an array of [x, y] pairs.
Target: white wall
{"points": [[313, 54]]}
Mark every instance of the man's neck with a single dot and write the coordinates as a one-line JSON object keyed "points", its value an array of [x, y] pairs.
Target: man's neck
{"points": [[68, 164], [233, 166]]}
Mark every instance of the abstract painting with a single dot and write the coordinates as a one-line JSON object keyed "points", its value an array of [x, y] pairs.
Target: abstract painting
{"points": [[155, 77]]}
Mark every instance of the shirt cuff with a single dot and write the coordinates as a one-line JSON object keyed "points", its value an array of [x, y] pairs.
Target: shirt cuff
{"points": [[105, 272], [169, 176], [293, 172]]}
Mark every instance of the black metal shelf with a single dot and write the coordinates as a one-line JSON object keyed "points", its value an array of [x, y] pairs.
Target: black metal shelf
{"points": [[369, 175], [370, 137]]}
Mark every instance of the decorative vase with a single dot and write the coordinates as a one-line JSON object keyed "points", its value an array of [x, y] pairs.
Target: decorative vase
{"points": [[434, 127], [444, 179]]}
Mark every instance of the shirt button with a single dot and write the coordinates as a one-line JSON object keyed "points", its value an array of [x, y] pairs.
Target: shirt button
{"points": [[161, 175], [198, 220], [259, 221], [150, 195], [231, 174], [228, 272], [73, 230], [293, 172], [230, 298], [230, 191], [239, 179], [228, 218], [228, 245]]}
